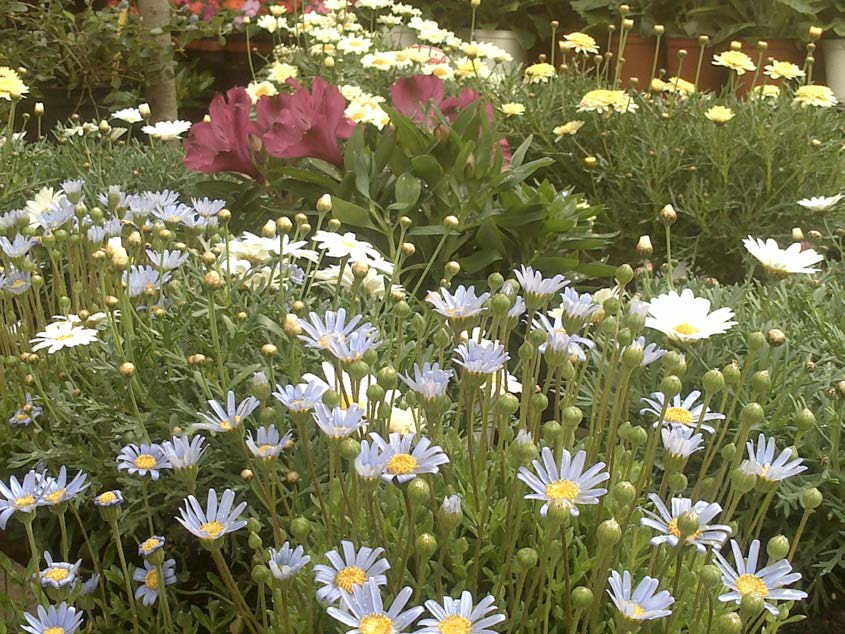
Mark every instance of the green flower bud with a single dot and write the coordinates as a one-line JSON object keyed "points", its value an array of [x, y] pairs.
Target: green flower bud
{"points": [[253, 525], [805, 420], [418, 323], [811, 499], [624, 274], [539, 402], [255, 541], [608, 326], [526, 351], [688, 523], [538, 337], [611, 305], [526, 559], [624, 338], [567, 371], [500, 304], [419, 491], [552, 431], [442, 338], [636, 322], [557, 515], [728, 451], [507, 404], [375, 393], [729, 623], [555, 358], [714, 381], [359, 370], [633, 356], [732, 373], [671, 361], [670, 386], [751, 414], [461, 546], [623, 493], [261, 575], [426, 545], [524, 452], [331, 399], [742, 481], [299, 528], [750, 606], [777, 548], [387, 377], [761, 382], [350, 448], [639, 437], [677, 482], [582, 597], [626, 430], [259, 386], [495, 281], [572, 416], [401, 309], [711, 576], [609, 533], [755, 341]]}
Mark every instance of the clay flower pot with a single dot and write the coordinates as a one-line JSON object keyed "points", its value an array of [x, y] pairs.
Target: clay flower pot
{"points": [[711, 77], [639, 59]]}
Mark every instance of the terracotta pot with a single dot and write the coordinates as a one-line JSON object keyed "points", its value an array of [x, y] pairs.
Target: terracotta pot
{"points": [[710, 78], [207, 44], [639, 59], [238, 45], [780, 50]]}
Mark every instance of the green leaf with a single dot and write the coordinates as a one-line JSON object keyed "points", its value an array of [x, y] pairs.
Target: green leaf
{"points": [[428, 168], [408, 188], [479, 261], [351, 214]]}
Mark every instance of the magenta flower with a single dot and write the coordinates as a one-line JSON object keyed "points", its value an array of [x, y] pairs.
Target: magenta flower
{"points": [[305, 124], [224, 144], [417, 96]]}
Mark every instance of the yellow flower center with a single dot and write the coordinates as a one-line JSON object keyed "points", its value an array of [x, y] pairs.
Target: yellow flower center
{"points": [[638, 611], [751, 583], [348, 577], [213, 528], [686, 329], [151, 544], [455, 624], [264, 450], [24, 500], [64, 337], [402, 464], [376, 624], [679, 415], [57, 574], [56, 496], [151, 579], [54, 630], [17, 283], [107, 498], [146, 461], [562, 490]]}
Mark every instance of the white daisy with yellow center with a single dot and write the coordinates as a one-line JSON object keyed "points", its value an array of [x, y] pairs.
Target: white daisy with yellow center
{"points": [[680, 412], [780, 263], [685, 318], [565, 486], [348, 569], [363, 610]]}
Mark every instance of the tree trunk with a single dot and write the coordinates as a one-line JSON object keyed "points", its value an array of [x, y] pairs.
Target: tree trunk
{"points": [[161, 78]]}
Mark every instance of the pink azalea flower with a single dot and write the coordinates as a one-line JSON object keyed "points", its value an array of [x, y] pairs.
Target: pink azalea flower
{"points": [[224, 144], [305, 123]]}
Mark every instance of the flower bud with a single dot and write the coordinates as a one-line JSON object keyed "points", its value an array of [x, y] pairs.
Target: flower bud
{"points": [[815, 32], [419, 491], [359, 370], [213, 281], [572, 416], [742, 481], [811, 499], [670, 386], [805, 420], [526, 558], [299, 528], [624, 274], [495, 281], [452, 269], [728, 451], [688, 523], [750, 606], [761, 382], [668, 215], [677, 482], [442, 338], [582, 597], [777, 548], [639, 437], [451, 222], [644, 246], [711, 576], [590, 161], [623, 492], [729, 623], [755, 341], [350, 448], [269, 229], [269, 350], [254, 541], [552, 431], [426, 545], [776, 337], [633, 356], [751, 414], [246, 474], [127, 370], [507, 404], [609, 533]]}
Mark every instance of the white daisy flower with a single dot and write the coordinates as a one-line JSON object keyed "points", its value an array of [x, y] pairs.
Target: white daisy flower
{"points": [[684, 413], [128, 115], [762, 461], [353, 569], [680, 441], [666, 522], [686, 318], [566, 486], [167, 130], [461, 615], [63, 334], [766, 582], [363, 611], [782, 262], [641, 604], [406, 464], [821, 203]]}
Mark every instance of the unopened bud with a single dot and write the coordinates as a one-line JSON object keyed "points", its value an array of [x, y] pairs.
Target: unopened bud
{"points": [[811, 499], [668, 215], [644, 246]]}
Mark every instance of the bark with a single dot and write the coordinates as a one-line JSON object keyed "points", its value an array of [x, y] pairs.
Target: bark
{"points": [[161, 81]]}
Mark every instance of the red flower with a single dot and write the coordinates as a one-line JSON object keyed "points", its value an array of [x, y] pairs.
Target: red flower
{"points": [[224, 144], [417, 96], [305, 124]]}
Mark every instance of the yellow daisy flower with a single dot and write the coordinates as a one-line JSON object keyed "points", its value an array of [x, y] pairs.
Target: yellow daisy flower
{"points": [[737, 61], [783, 70], [513, 109], [719, 114], [539, 73], [816, 96], [11, 84], [567, 129]]}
